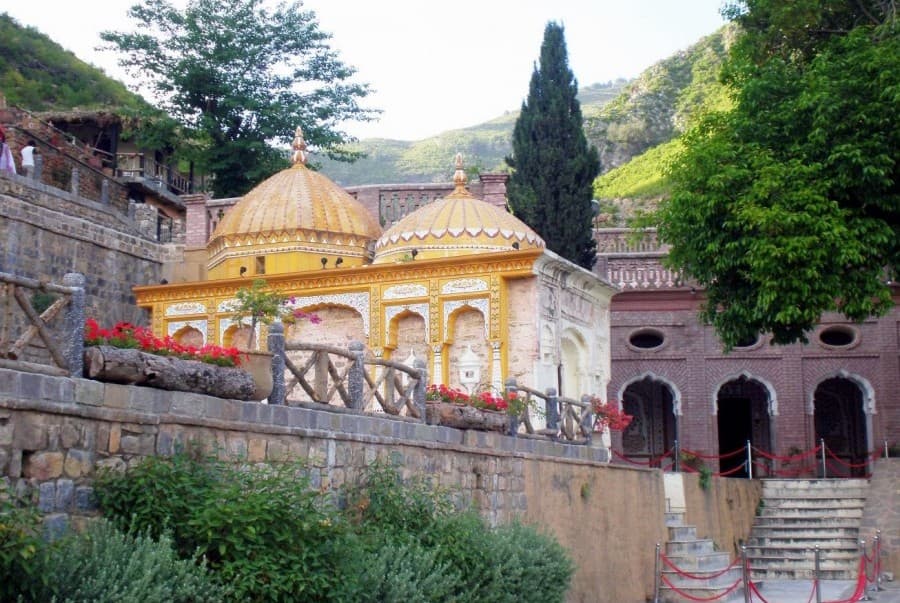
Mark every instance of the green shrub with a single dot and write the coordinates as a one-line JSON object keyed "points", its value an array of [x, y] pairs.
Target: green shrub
{"points": [[396, 571], [262, 529], [20, 544], [105, 565]]}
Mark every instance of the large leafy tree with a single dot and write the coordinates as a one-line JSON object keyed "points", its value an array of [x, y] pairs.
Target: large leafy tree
{"points": [[788, 205], [553, 166], [240, 76]]}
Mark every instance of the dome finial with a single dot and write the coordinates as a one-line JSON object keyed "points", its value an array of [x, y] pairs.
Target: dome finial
{"points": [[459, 177], [299, 147]]}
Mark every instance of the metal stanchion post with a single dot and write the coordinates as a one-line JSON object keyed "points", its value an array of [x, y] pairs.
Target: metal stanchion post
{"points": [[749, 461], [656, 577], [824, 469], [886, 455], [876, 553], [816, 578], [677, 457], [865, 569], [745, 574]]}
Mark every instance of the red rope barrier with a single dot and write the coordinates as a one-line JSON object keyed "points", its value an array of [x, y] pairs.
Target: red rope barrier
{"points": [[846, 463], [731, 471], [714, 456], [860, 591], [813, 592], [755, 591], [681, 593], [796, 457], [685, 574]]}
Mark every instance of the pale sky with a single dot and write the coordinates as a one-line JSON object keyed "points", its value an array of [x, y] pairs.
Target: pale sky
{"points": [[438, 66]]}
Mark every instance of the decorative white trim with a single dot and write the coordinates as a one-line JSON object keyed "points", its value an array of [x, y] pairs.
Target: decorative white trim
{"points": [[391, 311], [184, 308], [359, 301], [464, 285], [227, 305], [480, 304], [770, 390], [200, 325], [868, 392], [403, 291], [676, 393]]}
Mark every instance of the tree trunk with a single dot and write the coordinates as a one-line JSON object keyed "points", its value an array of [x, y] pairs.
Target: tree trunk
{"points": [[134, 367]]}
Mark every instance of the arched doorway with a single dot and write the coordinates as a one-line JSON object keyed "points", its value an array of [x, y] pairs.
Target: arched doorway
{"points": [[742, 409], [840, 420], [652, 430]]}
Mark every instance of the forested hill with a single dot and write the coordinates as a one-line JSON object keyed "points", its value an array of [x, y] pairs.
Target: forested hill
{"points": [[38, 74], [484, 147]]}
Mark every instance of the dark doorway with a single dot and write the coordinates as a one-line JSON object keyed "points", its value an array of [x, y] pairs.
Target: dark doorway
{"points": [[743, 415], [651, 433], [841, 422]]}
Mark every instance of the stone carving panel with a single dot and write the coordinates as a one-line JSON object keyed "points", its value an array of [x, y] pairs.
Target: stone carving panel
{"points": [[358, 301], [464, 285], [404, 291], [186, 308]]}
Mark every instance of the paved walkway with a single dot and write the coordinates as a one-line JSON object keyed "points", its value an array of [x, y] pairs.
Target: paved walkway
{"points": [[800, 591]]}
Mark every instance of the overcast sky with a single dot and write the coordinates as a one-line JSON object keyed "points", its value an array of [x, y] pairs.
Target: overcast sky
{"points": [[437, 66]]}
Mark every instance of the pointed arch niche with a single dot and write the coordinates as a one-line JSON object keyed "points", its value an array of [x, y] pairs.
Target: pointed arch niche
{"points": [[466, 328], [655, 405], [743, 406], [842, 409]]}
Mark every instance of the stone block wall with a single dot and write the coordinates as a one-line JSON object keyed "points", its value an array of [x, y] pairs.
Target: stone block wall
{"points": [[47, 233], [882, 513], [56, 433]]}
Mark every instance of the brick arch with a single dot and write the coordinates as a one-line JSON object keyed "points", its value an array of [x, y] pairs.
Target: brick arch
{"points": [[865, 386], [772, 397], [407, 333], [676, 393], [189, 336]]}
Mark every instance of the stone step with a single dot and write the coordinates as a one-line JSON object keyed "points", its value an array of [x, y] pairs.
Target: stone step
{"points": [[667, 595], [703, 579], [812, 484], [674, 519], [811, 510], [794, 532], [681, 548], [799, 555], [709, 561], [774, 572], [802, 522], [828, 500], [682, 532]]}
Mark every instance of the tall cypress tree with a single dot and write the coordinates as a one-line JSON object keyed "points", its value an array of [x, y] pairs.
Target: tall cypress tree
{"points": [[551, 185]]}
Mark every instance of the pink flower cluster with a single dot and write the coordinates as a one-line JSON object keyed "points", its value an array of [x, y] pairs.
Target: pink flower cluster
{"points": [[486, 400], [127, 335]]}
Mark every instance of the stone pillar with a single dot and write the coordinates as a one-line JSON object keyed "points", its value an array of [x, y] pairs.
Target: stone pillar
{"points": [[104, 191], [587, 424], [75, 184], [38, 166], [552, 408], [74, 344], [421, 385], [511, 390], [275, 343], [356, 375], [437, 363]]}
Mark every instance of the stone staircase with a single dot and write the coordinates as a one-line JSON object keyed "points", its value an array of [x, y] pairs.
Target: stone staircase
{"points": [[697, 557], [798, 515]]}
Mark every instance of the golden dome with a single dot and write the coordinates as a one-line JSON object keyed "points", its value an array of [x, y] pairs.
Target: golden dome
{"points": [[458, 224], [295, 211]]}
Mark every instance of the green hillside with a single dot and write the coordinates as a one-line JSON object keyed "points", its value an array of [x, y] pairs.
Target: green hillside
{"points": [[38, 74], [430, 160]]}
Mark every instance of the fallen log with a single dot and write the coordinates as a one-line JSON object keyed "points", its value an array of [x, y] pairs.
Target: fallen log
{"points": [[134, 367], [463, 416]]}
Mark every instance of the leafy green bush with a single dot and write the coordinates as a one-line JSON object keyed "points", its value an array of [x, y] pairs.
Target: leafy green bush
{"points": [[262, 529], [105, 565], [20, 543]]}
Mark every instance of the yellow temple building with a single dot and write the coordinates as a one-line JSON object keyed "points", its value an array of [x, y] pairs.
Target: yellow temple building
{"points": [[456, 280]]}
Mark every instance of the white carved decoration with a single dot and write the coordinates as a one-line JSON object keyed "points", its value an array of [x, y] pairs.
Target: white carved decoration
{"points": [[184, 308], [391, 311], [465, 285], [227, 305], [403, 291], [174, 327], [358, 301], [480, 304]]}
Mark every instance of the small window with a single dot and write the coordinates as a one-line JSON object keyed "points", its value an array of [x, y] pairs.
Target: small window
{"points": [[260, 264], [646, 339], [747, 342], [838, 336]]}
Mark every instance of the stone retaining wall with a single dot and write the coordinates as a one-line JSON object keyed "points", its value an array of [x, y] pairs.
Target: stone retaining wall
{"points": [[55, 433]]}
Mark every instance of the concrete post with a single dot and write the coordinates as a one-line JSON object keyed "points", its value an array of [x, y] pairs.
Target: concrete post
{"points": [[275, 343], [421, 385], [104, 191], [356, 377], [75, 183], [74, 344], [552, 408], [510, 391]]}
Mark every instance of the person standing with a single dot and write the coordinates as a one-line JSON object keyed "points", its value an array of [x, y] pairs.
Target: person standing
{"points": [[28, 159], [7, 165]]}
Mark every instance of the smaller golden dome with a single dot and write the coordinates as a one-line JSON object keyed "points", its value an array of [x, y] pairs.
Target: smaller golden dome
{"points": [[459, 224]]}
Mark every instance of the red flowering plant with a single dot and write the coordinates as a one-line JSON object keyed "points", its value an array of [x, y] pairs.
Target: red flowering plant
{"points": [[260, 305], [608, 414], [485, 399], [127, 335]]}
